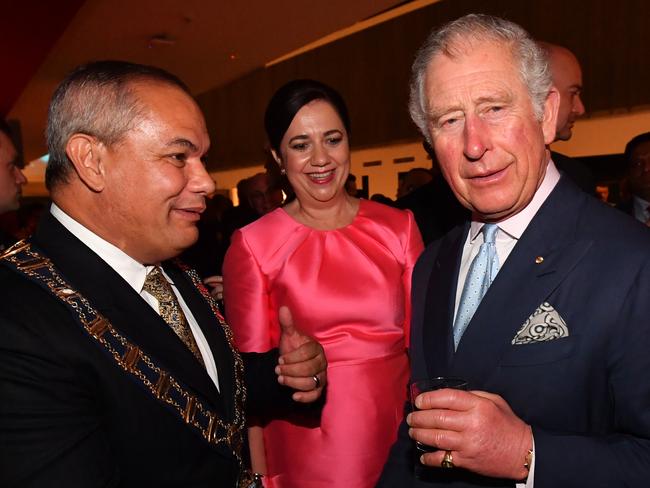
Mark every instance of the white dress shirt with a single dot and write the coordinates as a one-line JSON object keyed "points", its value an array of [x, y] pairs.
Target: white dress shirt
{"points": [[509, 232], [135, 274]]}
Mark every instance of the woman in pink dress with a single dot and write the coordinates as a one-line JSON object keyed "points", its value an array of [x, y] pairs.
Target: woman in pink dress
{"points": [[343, 267]]}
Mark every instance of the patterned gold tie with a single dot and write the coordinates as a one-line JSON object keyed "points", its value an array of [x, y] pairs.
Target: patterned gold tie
{"points": [[170, 310]]}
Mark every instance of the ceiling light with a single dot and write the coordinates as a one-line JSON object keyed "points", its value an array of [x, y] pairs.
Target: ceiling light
{"points": [[160, 40]]}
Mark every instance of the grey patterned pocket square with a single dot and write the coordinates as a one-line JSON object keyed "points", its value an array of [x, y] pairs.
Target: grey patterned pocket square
{"points": [[544, 325]]}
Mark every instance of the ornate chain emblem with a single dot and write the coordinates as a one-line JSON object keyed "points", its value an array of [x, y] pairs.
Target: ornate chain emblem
{"points": [[22, 258]]}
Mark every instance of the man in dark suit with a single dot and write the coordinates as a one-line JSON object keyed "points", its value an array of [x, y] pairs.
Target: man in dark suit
{"points": [[566, 74], [116, 368], [637, 178], [12, 179], [540, 302], [435, 209], [434, 206]]}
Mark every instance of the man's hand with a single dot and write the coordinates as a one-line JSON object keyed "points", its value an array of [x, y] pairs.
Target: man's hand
{"points": [[479, 428], [215, 285], [301, 359]]}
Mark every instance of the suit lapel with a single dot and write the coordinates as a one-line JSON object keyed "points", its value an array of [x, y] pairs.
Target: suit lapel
{"points": [[522, 284], [214, 335], [439, 309], [126, 310]]}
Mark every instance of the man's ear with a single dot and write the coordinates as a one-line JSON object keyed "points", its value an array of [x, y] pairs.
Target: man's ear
{"points": [[549, 120], [85, 152]]}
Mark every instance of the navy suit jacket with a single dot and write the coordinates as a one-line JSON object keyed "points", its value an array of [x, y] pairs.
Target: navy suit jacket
{"points": [[587, 396], [69, 416]]}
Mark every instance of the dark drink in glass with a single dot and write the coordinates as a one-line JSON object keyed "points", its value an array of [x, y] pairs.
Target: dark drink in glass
{"points": [[432, 384]]}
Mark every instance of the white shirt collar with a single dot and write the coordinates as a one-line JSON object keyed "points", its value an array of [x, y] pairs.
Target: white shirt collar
{"points": [[135, 274], [128, 268], [515, 225]]}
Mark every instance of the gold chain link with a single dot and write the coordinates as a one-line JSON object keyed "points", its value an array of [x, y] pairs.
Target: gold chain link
{"points": [[233, 431]]}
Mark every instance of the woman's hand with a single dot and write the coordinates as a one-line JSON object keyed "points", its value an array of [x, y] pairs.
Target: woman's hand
{"points": [[302, 364]]}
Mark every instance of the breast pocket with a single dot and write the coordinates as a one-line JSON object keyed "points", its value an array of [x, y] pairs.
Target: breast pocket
{"points": [[539, 353]]}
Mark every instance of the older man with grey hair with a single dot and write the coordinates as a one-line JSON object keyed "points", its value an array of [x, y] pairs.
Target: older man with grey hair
{"points": [[538, 303]]}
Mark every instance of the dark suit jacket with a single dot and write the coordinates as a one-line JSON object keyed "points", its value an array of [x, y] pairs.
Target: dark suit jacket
{"points": [[587, 396], [6, 240], [435, 209], [69, 416], [577, 171]]}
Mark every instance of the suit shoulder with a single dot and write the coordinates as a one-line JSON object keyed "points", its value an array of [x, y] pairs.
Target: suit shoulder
{"points": [[33, 319], [16, 288], [431, 251], [21, 295], [609, 223]]}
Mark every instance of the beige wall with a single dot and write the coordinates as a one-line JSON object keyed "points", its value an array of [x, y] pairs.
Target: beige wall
{"points": [[605, 134], [592, 136], [382, 179]]}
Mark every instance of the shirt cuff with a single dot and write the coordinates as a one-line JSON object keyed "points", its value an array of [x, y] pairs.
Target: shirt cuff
{"points": [[530, 481]]}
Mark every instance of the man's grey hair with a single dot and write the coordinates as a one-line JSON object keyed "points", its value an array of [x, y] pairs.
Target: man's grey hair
{"points": [[96, 99], [451, 38]]}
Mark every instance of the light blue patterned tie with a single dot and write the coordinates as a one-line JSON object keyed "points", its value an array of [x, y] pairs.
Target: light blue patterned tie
{"points": [[482, 272]]}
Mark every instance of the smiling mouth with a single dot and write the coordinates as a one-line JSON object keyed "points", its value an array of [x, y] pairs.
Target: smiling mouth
{"points": [[321, 178], [192, 213], [489, 177]]}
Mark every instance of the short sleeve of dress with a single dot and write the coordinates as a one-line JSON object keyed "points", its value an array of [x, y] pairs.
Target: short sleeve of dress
{"points": [[413, 249], [246, 297]]}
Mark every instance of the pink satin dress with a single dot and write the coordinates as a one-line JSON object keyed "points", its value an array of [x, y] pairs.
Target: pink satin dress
{"points": [[350, 289]]}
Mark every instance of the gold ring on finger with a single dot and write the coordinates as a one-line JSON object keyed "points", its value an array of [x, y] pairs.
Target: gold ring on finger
{"points": [[447, 460]]}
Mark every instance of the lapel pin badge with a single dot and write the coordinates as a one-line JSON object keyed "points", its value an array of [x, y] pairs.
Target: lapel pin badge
{"points": [[539, 260]]}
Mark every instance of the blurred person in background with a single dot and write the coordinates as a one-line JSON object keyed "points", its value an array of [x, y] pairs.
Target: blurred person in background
{"points": [[566, 75], [206, 255], [12, 180], [413, 179], [262, 195], [433, 204], [351, 185], [637, 178]]}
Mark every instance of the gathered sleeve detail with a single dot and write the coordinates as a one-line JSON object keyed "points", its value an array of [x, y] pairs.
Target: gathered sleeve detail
{"points": [[249, 310]]}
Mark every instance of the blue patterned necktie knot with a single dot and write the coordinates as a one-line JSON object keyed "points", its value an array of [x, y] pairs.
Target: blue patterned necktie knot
{"points": [[482, 272]]}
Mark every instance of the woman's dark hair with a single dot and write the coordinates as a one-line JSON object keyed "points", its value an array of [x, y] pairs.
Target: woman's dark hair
{"points": [[290, 98]]}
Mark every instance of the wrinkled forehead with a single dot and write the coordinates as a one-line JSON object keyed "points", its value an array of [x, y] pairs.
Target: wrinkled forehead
{"points": [[172, 108], [471, 62], [459, 46], [165, 98]]}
